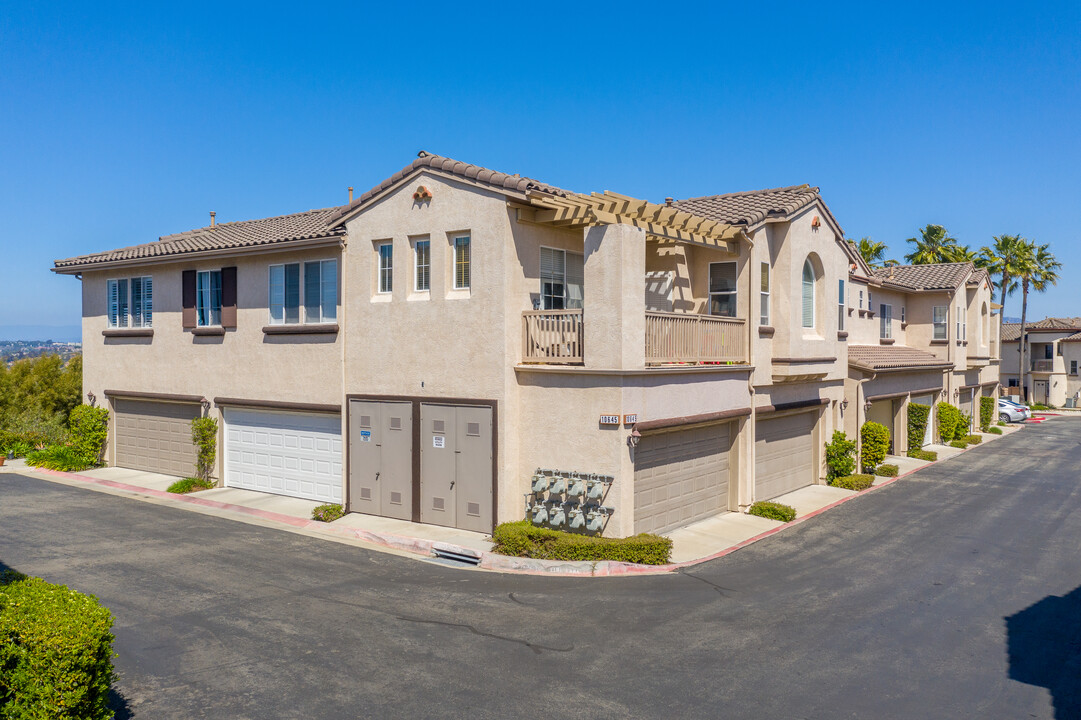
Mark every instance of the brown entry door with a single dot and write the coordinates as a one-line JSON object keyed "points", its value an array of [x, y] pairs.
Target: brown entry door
{"points": [[381, 458], [456, 466]]}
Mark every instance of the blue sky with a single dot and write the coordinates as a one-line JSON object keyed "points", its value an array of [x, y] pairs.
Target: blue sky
{"points": [[124, 122]]}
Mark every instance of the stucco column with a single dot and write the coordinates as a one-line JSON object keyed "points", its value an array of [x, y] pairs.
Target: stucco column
{"points": [[614, 316]]}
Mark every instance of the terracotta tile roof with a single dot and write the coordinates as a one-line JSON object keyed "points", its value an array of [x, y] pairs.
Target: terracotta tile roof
{"points": [[977, 277], [941, 276], [308, 225], [498, 180], [893, 357], [751, 208], [1011, 332], [1076, 337]]}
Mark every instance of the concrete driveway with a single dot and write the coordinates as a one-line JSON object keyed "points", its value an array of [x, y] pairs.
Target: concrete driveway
{"points": [[949, 594]]}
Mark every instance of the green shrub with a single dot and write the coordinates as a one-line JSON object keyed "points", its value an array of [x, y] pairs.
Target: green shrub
{"points": [[854, 482], [949, 421], [55, 652], [887, 470], [1041, 406], [964, 427], [524, 539], [994, 430], [17, 447], [189, 484], [840, 456], [929, 455], [875, 442], [328, 513], [58, 457], [959, 444], [89, 427], [772, 511], [204, 434], [987, 412], [918, 417], [974, 439], [1002, 423], [35, 426]]}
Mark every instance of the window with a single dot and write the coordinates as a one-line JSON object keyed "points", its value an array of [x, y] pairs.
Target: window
{"points": [[885, 321], [903, 321], [722, 289], [562, 276], [320, 292], [842, 306], [1048, 352], [461, 263], [764, 309], [961, 329], [808, 294], [422, 266], [861, 300], [1059, 350], [208, 298], [131, 302], [1073, 367], [386, 267], [939, 322]]}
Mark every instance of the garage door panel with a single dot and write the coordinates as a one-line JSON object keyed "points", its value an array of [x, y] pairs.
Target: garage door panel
{"points": [[784, 454], [155, 436]]}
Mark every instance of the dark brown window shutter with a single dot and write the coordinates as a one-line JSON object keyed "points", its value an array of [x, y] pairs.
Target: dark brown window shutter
{"points": [[228, 297], [188, 296]]}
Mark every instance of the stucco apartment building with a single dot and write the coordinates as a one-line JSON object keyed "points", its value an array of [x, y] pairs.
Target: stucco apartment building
{"points": [[919, 333], [422, 351], [1053, 355]]}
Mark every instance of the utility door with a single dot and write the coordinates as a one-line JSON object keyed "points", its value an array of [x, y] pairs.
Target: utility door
{"points": [[456, 466], [381, 458]]}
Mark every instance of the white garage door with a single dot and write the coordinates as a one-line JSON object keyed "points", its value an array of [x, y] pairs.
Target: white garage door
{"points": [[783, 455], [680, 476], [293, 454]]}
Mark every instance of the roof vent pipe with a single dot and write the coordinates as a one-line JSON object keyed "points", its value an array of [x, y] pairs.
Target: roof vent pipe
{"points": [[350, 194], [668, 201], [212, 221]]}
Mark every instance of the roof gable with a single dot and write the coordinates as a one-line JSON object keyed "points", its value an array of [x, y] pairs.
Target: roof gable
{"points": [[940, 276]]}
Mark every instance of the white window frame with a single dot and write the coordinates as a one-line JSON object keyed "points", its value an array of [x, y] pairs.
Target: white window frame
{"points": [[962, 330], [807, 265], [903, 321], [205, 314], [562, 277], [944, 323], [137, 312], [885, 321], [724, 293], [764, 284], [422, 265], [460, 243], [861, 300], [384, 281], [277, 291], [842, 305]]}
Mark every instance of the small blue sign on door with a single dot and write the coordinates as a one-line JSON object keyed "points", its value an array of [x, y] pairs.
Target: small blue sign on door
{"points": [[365, 435]]}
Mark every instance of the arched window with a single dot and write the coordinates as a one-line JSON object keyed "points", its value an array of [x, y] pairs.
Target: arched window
{"points": [[808, 294]]}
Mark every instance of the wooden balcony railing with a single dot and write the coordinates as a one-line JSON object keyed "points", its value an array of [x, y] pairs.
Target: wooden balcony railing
{"points": [[690, 338], [552, 336]]}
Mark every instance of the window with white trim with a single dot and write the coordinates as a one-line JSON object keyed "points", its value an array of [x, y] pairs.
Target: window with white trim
{"points": [[722, 289], [208, 298], [764, 296], [903, 321], [317, 285], [130, 302], [808, 292], [462, 268], [961, 329], [842, 305], [386, 267], [861, 300], [938, 319], [562, 276], [885, 321], [422, 266]]}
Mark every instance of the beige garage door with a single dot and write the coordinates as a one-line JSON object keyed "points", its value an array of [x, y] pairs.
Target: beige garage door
{"points": [[783, 455], [680, 476], [929, 401], [155, 436]]}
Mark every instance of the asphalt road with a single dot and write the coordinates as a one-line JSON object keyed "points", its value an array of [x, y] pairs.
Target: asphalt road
{"points": [[949, 594]]}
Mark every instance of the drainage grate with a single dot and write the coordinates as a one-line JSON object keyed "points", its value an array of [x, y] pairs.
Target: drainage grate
{"points": [[459, 555]]}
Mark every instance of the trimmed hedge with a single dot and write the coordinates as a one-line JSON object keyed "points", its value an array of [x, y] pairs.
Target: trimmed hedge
{"points": [[995, 430], [854, 482], [56, 655], [987, 412], [840, 456], [190, 484], [929, 455], [772, 511], [887, 470], [875, 442], [524, 539], [89, 428], [918, 417], [974, 439], [949, 421], [328, 513], [959, 444]]}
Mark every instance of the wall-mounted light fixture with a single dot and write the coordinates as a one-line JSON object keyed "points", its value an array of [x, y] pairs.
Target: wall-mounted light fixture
{"points": [[633, 438], [867, 406], [92, 398], [844, 404], [206, 406]]}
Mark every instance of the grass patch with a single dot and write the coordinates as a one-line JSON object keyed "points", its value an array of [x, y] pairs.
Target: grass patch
{"points": [[187, 485], [960, 444], [974, 439], [858, 482], [929, 455], [524, 539], [328, 513], [994, 430], [886, 470], [1002, 423], [772, 511]]}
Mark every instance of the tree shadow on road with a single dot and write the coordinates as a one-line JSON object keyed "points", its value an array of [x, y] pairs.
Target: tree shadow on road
{"points": [[1044, 645]]}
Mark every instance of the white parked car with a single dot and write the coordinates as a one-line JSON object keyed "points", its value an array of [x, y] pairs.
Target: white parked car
{"points": [[1012, 412]]}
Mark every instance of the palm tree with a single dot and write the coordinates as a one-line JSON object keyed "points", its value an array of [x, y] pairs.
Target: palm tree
{"points": [[1002, 259], [931, 246], [958, 253], [1038, 271], [873, 252]]}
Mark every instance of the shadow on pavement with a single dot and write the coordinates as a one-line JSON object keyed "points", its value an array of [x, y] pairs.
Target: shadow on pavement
{"points": [[1044, 646]]}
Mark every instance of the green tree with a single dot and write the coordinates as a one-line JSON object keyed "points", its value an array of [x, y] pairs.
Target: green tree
{"points": [[873, 252], [959, 253], [1002, 259], [1038, 271], [931, 247]]}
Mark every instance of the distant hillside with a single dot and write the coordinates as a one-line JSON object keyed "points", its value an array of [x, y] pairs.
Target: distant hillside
{"points": [[1011, 319], [56, 333]]}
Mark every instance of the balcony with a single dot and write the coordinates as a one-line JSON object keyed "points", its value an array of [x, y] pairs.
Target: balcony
{"points": [[554, 337], [1055, 365]]}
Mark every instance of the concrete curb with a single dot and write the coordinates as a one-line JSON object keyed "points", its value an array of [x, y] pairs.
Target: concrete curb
{"points": [[487, 560]]}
